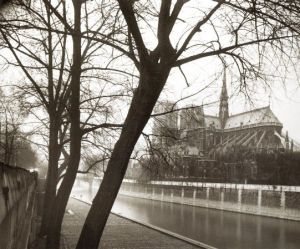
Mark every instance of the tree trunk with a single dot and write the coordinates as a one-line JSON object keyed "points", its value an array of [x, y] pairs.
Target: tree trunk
{"points": [[52, 174], [61, 200], [142, 104]]}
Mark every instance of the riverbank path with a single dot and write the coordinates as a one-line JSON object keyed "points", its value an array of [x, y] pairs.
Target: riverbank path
{"points": [[119, 233]]}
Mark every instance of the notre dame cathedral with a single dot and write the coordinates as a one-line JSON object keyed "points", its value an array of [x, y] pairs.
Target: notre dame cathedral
{"points": [[194, 137]]}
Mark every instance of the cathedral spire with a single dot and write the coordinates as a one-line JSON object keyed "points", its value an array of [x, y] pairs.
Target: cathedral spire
{"points": [[223, 107]]}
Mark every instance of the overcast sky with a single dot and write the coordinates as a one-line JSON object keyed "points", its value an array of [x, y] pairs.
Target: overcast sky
{"points": [[284, 99]]}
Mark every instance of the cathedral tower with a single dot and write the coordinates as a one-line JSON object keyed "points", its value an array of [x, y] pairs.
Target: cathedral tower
{"points": [[223, 107]]}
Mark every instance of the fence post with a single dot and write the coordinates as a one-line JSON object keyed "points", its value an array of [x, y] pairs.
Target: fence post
{"points": [[259, 194], [222, 197], [194, 196], [240, 199], [207, 197], [282, 203]]}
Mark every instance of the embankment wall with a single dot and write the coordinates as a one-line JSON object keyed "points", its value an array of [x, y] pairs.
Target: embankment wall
{"points": [[17, 206], [274, 201]]}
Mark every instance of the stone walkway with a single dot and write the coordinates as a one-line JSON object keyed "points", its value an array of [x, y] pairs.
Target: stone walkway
{"points": [[119, 233]]}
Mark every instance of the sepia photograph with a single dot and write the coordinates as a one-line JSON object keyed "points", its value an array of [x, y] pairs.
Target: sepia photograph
{"points": [[139, 124]]}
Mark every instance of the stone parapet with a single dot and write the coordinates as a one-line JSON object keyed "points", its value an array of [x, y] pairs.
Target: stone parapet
{"points": [[17, 206], [273, 201]]}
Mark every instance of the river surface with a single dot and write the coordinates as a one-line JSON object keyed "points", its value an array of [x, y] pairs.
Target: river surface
{"points": [[221, 229]]}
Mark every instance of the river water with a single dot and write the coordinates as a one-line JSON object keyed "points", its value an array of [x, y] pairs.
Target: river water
{"points": [[221, 229]]}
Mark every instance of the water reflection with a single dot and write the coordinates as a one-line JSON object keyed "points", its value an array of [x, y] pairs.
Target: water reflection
{"points": [[221, 229]]}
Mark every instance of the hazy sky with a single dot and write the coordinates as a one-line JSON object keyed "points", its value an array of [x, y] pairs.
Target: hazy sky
{"points": [[284, 100]]}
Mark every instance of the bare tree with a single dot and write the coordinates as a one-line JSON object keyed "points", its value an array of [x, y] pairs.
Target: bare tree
{"points": [[155, 40], [258, 25], [60, 85], [12, 115], [47, 80]]}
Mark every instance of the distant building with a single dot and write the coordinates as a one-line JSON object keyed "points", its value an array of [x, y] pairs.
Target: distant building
{"points": [[196, 138]]}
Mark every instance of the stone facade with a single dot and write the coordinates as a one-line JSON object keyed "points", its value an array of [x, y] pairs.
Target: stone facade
{"points": [[192, 133], [193, 145]]}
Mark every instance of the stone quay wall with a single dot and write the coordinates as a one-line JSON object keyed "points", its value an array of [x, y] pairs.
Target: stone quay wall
{"points": [[267, 200], [17, 206]]}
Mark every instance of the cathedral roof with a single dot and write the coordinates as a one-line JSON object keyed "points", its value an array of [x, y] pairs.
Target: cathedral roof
{"points": [[260, 116], [257, 117]]}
